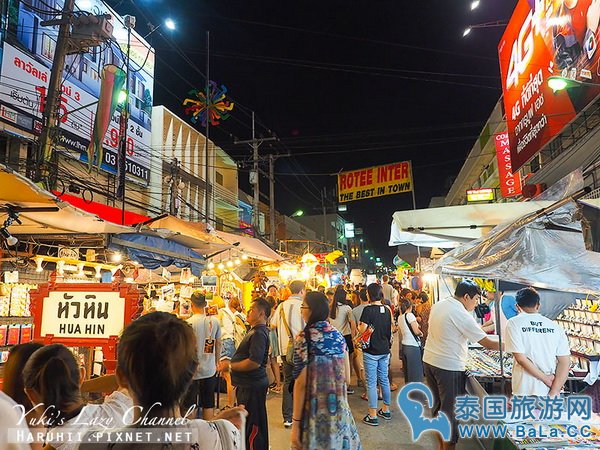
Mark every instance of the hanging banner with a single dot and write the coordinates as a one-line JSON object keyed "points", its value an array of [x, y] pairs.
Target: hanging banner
{"points": [[543, 39], [510, 183], [375, 181]]}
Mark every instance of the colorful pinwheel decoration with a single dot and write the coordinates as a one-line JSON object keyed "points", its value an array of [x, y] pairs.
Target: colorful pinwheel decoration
{"points": [[215, 109]]}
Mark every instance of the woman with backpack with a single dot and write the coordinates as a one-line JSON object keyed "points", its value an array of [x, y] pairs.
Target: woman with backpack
{"points": [[412, 361]]}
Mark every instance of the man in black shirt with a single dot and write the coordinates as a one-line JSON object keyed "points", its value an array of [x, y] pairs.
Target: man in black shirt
{"points": [[249, 375]]}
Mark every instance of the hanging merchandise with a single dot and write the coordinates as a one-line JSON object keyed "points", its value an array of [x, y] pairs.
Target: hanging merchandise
{"points": [[215, 109]]}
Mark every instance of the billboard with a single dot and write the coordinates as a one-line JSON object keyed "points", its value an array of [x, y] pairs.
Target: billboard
{"points": [[27, 57], [546, 38], [375, 181], [510, 182]]}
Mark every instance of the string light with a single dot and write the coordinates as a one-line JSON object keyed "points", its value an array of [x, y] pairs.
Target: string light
{"points": [[211, 265], [221, 266], [244, 257], [229, 264], [237, 262], [116, 257]]}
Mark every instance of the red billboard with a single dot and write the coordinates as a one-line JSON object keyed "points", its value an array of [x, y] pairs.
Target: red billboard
{"points": [[547, 38], [510, 182]]}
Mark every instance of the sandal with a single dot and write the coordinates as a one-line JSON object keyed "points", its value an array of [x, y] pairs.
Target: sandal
{"points": [[393, 387], [276, 389], [366, 398]]}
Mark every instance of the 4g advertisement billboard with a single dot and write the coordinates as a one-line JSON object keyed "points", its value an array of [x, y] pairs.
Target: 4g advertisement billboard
{"points": [[547, 38], [27, 56]]}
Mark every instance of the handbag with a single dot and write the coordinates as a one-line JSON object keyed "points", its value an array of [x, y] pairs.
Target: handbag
{"points": [[417, 338], [363, 340], [289, 351]]}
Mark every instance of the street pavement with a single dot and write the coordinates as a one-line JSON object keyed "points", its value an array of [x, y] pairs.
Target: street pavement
{"points": [[392, 435]]}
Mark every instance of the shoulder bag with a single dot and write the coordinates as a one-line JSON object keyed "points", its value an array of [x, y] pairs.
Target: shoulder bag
{"points": [[289, 351], [417, 338]]}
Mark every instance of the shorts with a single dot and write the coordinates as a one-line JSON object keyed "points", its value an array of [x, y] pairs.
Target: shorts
{"points": [[201, 393], [227, 348], [445, 386], [274, 341], [349, 344]]}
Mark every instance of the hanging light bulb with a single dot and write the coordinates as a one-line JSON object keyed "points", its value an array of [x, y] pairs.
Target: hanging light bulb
{"points": [[244, 257], [116, 257], [211, 265], [238, 262], [229, 264], [38, 263], [221, 266]]}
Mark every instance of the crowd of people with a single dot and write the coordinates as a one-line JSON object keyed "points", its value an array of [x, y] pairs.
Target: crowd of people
{"points": [[300, 343]]}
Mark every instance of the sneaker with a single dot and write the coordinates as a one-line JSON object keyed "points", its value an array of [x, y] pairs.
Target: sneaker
{"points": [[387, 415], [349, 390], [373, 421], [287, 423]]}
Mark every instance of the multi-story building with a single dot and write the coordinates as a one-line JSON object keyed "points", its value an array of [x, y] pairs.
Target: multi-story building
{"points": [[182, 152]]}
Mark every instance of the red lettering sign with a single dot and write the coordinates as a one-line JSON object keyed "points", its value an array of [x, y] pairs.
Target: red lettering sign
{"points": [[510, 183]]}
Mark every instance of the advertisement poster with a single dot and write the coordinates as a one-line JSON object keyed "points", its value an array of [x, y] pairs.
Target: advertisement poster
{"points": [[26, 65], [510, 182], [546, 38], [375, 181]]}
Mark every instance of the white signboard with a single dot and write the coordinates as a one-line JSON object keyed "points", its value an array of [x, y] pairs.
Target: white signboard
{"points": [[26, 64], [95, 315]]}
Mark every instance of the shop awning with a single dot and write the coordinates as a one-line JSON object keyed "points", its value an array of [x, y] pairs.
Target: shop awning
{"points": [[154, 252], [191, 234], [250, 246], [22, 193], [456, 223]]}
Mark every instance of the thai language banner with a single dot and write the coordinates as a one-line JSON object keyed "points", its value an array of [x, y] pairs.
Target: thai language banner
{"points": [[546, 39], [26, 64], [375, 182], [510, 182]]}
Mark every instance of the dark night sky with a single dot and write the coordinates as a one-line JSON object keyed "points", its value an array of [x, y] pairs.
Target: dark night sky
{"points": [[362, 82]]}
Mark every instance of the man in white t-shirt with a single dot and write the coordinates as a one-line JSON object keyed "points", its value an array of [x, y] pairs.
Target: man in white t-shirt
{"points": [[540, 348], [451, 327], [11, 426], [287, 319]]}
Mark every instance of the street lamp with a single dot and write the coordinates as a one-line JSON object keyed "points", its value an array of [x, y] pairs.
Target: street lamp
{"points": [[298, 213], [168, 23], [497, 23], [474, 5], [561, 83]]}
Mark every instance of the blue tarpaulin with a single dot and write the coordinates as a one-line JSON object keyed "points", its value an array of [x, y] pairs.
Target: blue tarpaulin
{"points": [[154, 251]]}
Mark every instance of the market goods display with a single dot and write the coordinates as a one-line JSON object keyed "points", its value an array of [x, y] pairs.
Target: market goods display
{"points": [[486, 363]]}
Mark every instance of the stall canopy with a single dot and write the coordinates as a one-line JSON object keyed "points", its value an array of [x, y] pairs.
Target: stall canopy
{"points": [[55, 216], [542, 249], [191, 234], [250, 246], [451, 225]]}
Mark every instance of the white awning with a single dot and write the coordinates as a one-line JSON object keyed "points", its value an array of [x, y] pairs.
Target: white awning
{"points": [[250, 246], [456, 223]]}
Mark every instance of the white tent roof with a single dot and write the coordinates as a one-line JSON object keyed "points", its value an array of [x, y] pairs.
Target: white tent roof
{"points": [[252, 247], [455, 224]]}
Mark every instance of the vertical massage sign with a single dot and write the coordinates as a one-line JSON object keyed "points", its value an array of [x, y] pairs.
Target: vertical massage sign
{"points": [[547, 38]]}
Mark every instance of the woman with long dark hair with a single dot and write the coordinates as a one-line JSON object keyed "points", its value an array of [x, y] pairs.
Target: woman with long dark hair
{"points": [[342, 319], [322, 419], [158, 381], [412, 362], [13, 373]]}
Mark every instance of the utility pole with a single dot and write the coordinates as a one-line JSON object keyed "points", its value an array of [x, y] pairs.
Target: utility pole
{"points": [[324, 216], [412, 180], [174, 191], [254, 175], [272, 197], [207, 211], [124, 123], [51, 105]]}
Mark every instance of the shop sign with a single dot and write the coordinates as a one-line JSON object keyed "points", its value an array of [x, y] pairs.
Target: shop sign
{"points": [[348, 230], [375, 182], [82, 314], [510, 183], [480, 195], [28, 53], [546, 39], [96, 315]]}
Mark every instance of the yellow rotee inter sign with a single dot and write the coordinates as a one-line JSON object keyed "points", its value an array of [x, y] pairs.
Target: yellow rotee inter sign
{"points": [[375, 182]]}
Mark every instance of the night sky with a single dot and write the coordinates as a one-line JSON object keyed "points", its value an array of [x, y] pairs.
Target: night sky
{"points": [[359, 83]]}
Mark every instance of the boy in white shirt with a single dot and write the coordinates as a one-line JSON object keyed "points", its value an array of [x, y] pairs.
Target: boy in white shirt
{"points": [[540, 348]]}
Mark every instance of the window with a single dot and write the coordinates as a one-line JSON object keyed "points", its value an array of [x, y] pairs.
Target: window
{"points": [[85, 67], [219, 178], [48, 46]]}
